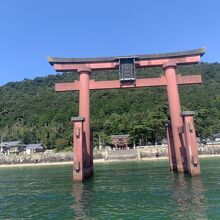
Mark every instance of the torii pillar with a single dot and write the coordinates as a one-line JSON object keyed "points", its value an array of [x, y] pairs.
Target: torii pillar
{"points": [[84, 110], [175, 115]]}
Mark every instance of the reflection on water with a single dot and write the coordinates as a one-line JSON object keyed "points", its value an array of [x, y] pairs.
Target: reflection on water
{"points": [[78, 205], [131, 190], [189, 196], [143, 192], [82, 200]]}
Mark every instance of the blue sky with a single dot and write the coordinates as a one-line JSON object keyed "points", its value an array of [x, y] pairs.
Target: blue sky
{"points": [[31, 30]]}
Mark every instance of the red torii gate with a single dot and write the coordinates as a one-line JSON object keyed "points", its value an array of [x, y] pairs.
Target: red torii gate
{"points": [[183, 153]]}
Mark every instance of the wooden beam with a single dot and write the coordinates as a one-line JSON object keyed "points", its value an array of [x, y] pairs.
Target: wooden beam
{"points": [[191, 79], [115, 84], [159, 62], [63, 67], [61, 87], [94, 66]]}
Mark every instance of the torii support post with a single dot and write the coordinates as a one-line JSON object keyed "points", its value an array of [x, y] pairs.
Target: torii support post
{"points": [[190, 143], [171, 148], [78, 149]]}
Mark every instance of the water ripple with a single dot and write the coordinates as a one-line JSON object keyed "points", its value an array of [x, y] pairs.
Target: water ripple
{"points": [[134, 190]]}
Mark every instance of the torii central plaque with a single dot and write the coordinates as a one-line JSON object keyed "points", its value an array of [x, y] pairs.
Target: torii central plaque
{"points": [[180, 153]]}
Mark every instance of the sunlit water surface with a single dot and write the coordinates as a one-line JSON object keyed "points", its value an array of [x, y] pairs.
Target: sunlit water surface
{"points": [[124, 190]]}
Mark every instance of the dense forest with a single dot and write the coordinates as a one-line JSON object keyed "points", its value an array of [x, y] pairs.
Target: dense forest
{"points": [[31, 111]]}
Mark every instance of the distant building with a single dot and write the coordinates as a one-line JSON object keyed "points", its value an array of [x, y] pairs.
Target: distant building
{"points": [[34, 148], [216, 137], [120, 141], [12, 147]]}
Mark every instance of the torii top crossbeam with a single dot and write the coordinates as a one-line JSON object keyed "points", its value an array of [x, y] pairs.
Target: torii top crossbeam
{"points": [[127, 66], [147, 60]]}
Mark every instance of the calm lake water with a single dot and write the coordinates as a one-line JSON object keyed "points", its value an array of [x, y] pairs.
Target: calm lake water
{"points": [[124, 190]]}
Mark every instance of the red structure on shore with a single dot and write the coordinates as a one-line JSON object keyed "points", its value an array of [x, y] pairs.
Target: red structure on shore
{"points": [[183, 154], [120, 141]]}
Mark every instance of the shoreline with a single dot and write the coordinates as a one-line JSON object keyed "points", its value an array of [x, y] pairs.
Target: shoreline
{"points": [[95, 161]]}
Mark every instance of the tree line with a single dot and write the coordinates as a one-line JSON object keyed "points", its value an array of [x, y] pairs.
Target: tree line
{"points": [[31, 111]]}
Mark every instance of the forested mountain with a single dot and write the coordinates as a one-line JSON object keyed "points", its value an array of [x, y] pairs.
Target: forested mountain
{"points": [[32, 111]]}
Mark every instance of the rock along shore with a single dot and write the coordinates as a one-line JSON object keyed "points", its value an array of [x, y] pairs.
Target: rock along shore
{"points": [[103, 155]]}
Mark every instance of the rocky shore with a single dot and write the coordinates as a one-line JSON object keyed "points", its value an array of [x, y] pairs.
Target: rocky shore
{"points": [[36, 158], [104, 155]]}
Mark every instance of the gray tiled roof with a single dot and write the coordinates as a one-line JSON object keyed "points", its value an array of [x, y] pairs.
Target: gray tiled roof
{"points": [[216, 135], [54, 60], [10, 144], [120, 136], [34, 146]]}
